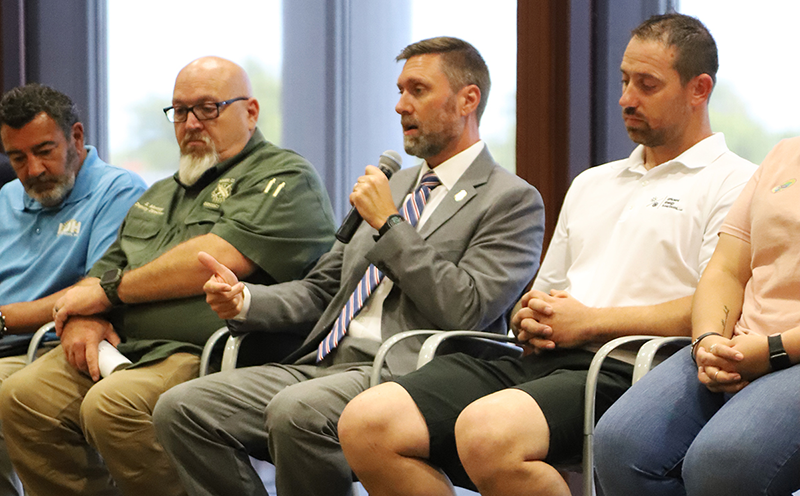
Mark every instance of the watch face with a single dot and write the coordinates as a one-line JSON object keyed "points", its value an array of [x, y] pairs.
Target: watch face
{"points": [[109, 276]]}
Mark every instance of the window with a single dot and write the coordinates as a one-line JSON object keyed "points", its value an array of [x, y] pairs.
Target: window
{"points": [[493, 31], [755, 102], [146, 51]]}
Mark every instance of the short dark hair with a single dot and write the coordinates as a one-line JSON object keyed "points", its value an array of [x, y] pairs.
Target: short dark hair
{"points": [[695, 47], [461, 63], [21, 105]]}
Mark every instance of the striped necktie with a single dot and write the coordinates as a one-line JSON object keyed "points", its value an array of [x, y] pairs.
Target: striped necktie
{"points": [[411, 211]]}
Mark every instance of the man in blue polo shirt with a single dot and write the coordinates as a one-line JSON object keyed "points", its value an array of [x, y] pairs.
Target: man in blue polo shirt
{"points": [[59, 218]]}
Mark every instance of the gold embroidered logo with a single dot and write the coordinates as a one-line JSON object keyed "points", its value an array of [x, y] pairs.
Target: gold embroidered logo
{"points": [[277, 190], [149, 208], [69, 228], [223, 190]]}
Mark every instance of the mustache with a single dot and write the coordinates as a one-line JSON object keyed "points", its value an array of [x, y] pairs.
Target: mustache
{"points": [[409, 121], [631, 111], [42, 180], [195, 136]]}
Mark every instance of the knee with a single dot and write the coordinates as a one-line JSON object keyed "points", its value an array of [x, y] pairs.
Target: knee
{"points": [[99, 411], [367, 422], [713, 466], [489, 440], [16, 397], [612, 440], [171, 411], [288, 415]]}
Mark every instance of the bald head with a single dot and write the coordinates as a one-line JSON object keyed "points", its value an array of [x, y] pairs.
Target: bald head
{"points": [[214, 80], [216, 71]]}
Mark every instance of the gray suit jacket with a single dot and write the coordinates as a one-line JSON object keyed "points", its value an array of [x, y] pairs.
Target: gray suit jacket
{"points": [[464, 269]]}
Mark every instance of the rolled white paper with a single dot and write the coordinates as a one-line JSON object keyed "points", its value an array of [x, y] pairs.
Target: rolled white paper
{"points": [[110, 360]]}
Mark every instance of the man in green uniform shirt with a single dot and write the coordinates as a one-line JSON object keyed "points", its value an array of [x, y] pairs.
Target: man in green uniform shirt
{"points": [[260, 209]]}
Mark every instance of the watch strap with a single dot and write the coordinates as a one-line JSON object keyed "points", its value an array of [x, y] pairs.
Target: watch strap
{"points": [[778, 358], [110, 282], [391, 221], [3, 328]]}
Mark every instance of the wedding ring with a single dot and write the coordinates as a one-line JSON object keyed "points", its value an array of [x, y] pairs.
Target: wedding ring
{"points": [[715, 375], [711, 350]]}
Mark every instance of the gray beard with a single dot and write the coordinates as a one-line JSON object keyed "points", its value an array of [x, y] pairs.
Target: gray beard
{"points": [[423, 146], [193, 167], [62, 184]]}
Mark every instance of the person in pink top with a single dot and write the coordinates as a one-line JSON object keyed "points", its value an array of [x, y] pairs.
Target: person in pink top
{"points": [[723, 417]]}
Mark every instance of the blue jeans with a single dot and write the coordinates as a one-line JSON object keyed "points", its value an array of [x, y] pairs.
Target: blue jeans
{"points": [[669, 435]]}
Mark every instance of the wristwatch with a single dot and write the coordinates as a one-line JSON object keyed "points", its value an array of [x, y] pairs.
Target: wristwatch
{"points": [[110, 283], [778, 358], [3, 328], [391, 221]]}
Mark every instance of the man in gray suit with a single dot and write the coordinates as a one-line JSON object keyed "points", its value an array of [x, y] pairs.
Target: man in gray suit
{"points": [[632, 238], [461, 264]]}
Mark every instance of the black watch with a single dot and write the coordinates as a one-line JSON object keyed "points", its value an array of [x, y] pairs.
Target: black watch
{"points": [[110, 283], [778, 358], [391, 221], [3, 328]]}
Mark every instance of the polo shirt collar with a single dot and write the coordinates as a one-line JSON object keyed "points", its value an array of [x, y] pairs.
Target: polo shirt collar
{"points": [[81, 189], [450, 171], [698, 156], [214, 172]]}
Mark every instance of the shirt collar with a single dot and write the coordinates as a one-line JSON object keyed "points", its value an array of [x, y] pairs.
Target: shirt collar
{"points": [[450, 171], [698, 156], [81, 189]]}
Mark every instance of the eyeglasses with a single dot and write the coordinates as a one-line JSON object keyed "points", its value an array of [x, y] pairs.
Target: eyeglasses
{"points": [[203, 111]]}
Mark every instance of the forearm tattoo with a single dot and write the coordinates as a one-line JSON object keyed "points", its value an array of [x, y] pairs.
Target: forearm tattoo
{"points": [[725, 320]]}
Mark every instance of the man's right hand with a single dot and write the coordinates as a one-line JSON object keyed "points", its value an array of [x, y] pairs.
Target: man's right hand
{"points": [[80, 337], [224, 292], [85, 298], [525, 323]]}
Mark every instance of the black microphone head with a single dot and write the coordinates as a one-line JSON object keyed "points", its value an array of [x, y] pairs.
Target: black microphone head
{"points": [[390, 162]]}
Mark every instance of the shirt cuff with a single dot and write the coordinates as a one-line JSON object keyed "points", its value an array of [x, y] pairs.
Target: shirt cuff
{"points": [[242, 315]]}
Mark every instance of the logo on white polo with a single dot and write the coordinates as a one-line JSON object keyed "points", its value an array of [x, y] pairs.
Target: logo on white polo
{"points": [[669, 202], [69, 228]]}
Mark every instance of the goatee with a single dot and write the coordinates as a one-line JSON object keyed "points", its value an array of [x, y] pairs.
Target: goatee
{"points": [[192, 166]]}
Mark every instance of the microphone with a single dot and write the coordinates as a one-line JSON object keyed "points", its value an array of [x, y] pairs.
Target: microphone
{"points": [[389, 163]]}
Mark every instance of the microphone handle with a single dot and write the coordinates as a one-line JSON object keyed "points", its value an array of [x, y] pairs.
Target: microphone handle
{"points": [[349, 226], [353, 218]]}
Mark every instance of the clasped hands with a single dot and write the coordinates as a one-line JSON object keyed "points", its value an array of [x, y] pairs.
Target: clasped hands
{"points": [[546, 321], [80, 328], [85, 298], [728, 365]]}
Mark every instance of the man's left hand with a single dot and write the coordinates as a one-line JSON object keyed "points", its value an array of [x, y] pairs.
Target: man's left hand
{"points": [[83, 299], [372, 197]]}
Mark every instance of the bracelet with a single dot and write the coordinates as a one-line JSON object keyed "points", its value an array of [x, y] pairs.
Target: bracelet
{"points": [[697, 341]]}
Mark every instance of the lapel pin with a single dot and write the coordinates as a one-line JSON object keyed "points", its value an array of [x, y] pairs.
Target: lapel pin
{"points": [[460, 195]]}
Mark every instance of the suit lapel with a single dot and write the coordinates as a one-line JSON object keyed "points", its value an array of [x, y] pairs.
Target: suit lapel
{"points": [[461, 194]]}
